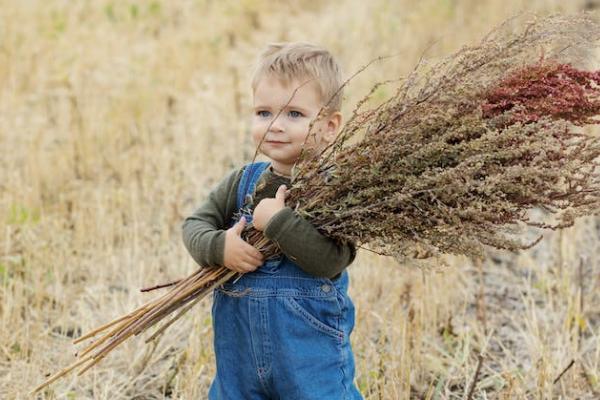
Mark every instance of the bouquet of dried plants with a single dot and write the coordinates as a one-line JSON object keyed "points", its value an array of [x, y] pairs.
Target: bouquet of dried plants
{"points": [[449, 164]]}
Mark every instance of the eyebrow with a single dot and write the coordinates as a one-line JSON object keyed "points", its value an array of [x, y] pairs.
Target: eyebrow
{"points": [[289, 106]]}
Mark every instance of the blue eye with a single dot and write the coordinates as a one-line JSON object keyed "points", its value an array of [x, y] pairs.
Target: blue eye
{"points": [[295, 114], [263, 113]]}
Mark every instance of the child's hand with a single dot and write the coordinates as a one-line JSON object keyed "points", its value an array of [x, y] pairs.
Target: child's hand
{"points": [[240, 256], [266, 208]]}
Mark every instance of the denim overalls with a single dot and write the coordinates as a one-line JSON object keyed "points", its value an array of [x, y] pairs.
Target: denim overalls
{"points": [[280, 333]]}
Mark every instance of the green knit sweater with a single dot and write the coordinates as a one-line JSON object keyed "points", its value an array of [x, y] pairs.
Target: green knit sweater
{"points": [[298, 239]]}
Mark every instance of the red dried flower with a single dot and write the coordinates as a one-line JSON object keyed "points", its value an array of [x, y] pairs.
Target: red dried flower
{"points": [[559, 91]]}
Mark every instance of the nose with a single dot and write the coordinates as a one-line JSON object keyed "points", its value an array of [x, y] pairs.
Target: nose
{"points": [[277, 125]]}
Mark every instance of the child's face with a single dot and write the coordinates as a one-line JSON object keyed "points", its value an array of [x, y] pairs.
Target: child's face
{"points": [[284, 139]]}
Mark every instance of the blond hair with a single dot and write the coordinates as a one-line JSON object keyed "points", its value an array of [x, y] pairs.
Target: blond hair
{"points": [[300, 60]]}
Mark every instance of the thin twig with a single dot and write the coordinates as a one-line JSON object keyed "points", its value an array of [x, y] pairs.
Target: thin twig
{"points": [[60, 374], [581, 303], [371, 250], [563, 372], [475, 377], [160, 286]]}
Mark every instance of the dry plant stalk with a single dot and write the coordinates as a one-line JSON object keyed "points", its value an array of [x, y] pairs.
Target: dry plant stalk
{"points": [[450, 163]]}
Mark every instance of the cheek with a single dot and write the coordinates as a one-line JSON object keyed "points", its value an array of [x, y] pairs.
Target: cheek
{"points": [[300, 128], [314, 136], [255, 137], [257, 131], [297, 136]]}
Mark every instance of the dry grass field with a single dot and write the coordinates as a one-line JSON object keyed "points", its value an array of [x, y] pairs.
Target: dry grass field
{"points": [[116, 119]]}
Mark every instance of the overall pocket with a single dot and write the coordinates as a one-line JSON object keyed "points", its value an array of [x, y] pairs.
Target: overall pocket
{"points": [[320, 313]]}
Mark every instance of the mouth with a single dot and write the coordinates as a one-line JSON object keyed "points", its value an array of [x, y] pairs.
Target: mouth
{"points": [[275, 142]]}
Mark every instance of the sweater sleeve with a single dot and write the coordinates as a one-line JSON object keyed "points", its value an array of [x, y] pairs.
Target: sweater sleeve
{"points": [[204, 231], [315, 253]]}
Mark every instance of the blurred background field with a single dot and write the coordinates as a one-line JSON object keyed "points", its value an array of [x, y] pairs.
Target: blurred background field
{"points": [[117, 118]]}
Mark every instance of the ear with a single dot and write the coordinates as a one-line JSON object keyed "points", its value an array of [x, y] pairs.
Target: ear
{"points": [[332, 125]]}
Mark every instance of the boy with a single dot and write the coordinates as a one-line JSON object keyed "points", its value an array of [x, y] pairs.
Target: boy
{"points": [[281, 331]]}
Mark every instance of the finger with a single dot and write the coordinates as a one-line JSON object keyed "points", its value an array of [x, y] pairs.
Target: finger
{"points": [[280, 195], [239, 226], [253, 258], [235, 268], [253, 263], [247, 267], [253, 251]]}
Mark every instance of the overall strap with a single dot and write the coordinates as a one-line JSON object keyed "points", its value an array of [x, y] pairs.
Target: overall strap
{"points": [[248, 181]]}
